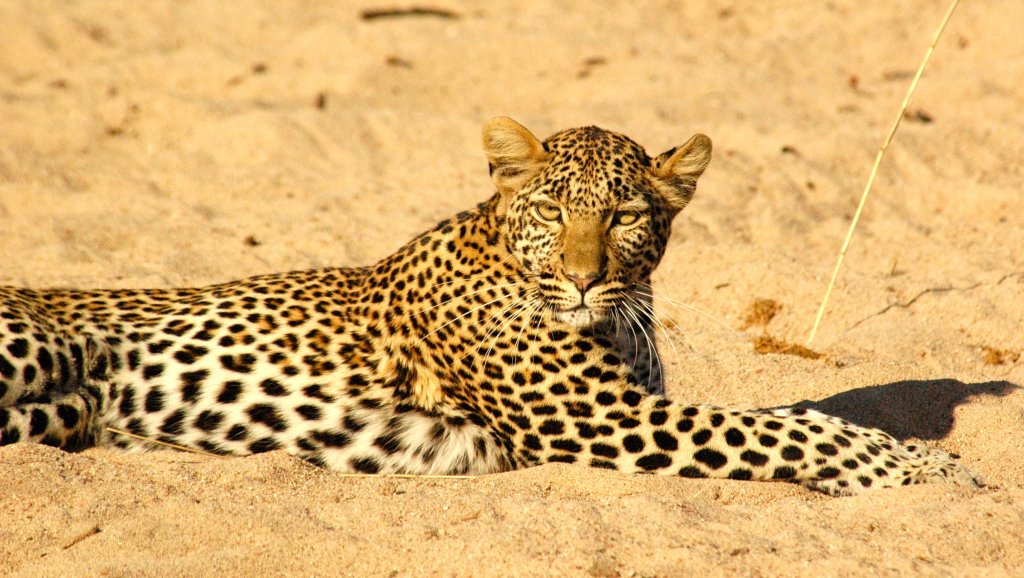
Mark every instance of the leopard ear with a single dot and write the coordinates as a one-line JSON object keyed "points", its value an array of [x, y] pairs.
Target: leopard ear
{"points": [[515, 156], [676, 171]]}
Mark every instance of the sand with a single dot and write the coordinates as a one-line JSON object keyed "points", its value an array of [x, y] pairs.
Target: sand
{"points": [[183, 143]]}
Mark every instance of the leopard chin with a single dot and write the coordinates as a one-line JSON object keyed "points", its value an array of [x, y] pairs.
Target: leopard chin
{"points": [[580, 317]]}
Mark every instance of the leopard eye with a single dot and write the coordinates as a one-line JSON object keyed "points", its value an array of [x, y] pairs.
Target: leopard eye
{"points": [[547, 212], [626, 218]]}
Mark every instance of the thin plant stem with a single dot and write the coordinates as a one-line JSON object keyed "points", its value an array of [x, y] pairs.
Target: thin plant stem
{"points": [[874, 169], [162, 443]]}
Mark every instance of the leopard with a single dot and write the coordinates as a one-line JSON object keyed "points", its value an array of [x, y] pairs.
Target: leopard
{"points": [[513, 334]]}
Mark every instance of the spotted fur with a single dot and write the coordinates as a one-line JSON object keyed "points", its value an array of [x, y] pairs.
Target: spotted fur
{"points": [[513, 334]]}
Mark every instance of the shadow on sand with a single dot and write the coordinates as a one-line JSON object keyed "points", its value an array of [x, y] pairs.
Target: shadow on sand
{"points": [[908, 409]]}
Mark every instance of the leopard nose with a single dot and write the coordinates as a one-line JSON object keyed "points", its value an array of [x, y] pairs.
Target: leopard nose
{"points": [[582, 283]]}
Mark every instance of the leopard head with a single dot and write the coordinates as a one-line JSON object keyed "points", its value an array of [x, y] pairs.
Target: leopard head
{"points": [[587, 213]]}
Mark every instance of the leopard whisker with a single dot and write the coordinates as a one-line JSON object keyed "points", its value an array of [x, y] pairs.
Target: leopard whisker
{"points": [[636, 340], [467, 295], [524, 323], [678, 310], [471, 278], [540, 318], [652, 350], [499, 321], [537, 306], [681, 306], [654, 353], [470, 312], [508, 323], [648, 310], [495, 324]]}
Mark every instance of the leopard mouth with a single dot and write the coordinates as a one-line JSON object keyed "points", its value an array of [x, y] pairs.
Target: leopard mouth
{"points": [[595, 307], [580, 315], [583, 309]]}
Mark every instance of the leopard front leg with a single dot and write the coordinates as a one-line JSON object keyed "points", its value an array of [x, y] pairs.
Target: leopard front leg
{"points": [[903, 465], [932, 465], [602, 421], [637, 433]]}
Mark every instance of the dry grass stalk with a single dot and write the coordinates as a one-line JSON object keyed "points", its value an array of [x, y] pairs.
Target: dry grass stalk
{"points": [[348, 475], [161, 443], [405, 476], [874, 169]]}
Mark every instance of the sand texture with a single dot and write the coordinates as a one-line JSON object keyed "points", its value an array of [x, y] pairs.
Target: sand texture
{"points": [[170, 143]]}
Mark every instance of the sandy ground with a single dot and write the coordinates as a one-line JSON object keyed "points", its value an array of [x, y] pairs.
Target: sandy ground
{"points": [[184, 143]]}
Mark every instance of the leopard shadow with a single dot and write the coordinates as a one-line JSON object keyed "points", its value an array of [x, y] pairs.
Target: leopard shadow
{"points": [[921, 409]]}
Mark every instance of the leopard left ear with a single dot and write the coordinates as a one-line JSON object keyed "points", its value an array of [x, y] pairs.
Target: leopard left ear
{"points": [[676, 171], [515, 156]]}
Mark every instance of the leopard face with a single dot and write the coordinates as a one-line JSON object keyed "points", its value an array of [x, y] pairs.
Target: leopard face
{"points": [[588, 214]]}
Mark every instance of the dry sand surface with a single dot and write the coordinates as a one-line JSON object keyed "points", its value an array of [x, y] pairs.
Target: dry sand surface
{"points": [[185, 143]]}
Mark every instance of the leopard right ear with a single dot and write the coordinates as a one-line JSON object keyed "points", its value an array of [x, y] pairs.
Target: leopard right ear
{"points": [[515, 156], [677, 170]]}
